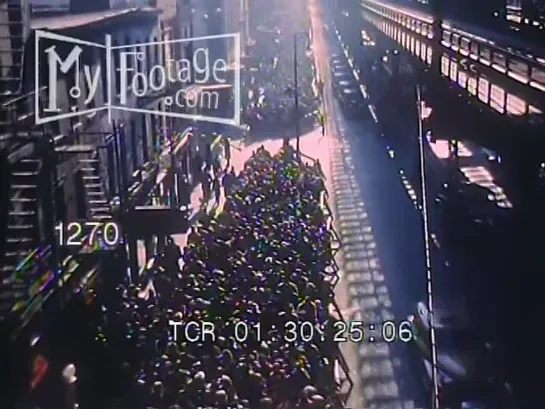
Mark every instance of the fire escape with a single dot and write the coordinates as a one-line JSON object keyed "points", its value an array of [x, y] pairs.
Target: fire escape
{"points": [[21, 143], [32, 257]]}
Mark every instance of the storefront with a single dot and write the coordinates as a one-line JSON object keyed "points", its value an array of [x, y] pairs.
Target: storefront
{"points": [[53, 327]]}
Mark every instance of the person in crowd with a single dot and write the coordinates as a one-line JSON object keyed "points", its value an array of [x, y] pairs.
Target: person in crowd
{"points": [[227, 151], [206, 186], [321, 120], [216, 187], [197, 167], [216, 166], [208, 157], [258, 266], [172, 254], [228, 181], [184, 191]]}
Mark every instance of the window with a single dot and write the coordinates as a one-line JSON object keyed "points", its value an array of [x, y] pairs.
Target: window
{"points": [[104, 75], [455, 40], [445, 65], [497, 98], [518, 67], [462, 79], [423, 51], [145, 135], [484, 90], [474, 48], [538, 75], [515, 105], [115, 68], [134, 146], [124, 165], [131, 59], [158, 54], [149, 55], [112, 166], [453, 70], [499, 59], [417, 47], [446, 36], [154, 133], [485, 53], [430, 55], [425, 30], [472, 85], [141, 62], [465, 44]]}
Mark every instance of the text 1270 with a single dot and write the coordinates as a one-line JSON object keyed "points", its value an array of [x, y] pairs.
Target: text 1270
{"points": [[92, 233]]}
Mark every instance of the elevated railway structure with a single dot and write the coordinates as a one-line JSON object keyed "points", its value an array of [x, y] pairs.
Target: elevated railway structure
{"points": [[504, 74], [489, 88]]}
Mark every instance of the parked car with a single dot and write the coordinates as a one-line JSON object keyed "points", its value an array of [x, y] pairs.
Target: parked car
{"points": [[469, 372], [351, 101]]}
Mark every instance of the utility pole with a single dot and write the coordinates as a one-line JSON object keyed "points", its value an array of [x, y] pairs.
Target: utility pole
{"points": [[296, 96], [427, 247], [437, 14]]}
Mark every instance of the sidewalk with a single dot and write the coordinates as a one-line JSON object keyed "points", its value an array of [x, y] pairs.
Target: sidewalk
{"points": [[197, 207]]}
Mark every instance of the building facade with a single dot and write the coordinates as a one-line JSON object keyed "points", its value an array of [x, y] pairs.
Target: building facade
{"points": [[77, 169]]}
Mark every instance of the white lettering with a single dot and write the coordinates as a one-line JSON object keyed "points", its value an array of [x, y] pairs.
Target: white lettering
{"points": [[52, 59], [91, 82], [175, 325], [138, 79], [157, 71], [170, 74], [201, 70], [189, 325], [209, 99], [184, 70], [191, 98], [123, 77], [208, 329], [220, 66]]}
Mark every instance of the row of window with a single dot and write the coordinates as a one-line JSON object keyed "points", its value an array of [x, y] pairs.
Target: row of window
{"points": [[519, 68], [491, 94]]}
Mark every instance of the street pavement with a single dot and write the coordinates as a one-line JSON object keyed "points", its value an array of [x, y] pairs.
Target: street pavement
{"points": [[380, 187], [238, 157], [383, 263]]}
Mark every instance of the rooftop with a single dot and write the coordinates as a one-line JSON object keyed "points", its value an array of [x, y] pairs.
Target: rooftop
{"points": [[67, 21]]}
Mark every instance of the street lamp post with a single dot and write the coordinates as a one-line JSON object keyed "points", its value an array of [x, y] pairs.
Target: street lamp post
{"points": [[296, 95], [427, 245]]}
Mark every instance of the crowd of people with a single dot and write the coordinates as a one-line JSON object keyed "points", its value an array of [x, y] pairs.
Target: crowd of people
{"points": [[270, 83], [256, 273]]}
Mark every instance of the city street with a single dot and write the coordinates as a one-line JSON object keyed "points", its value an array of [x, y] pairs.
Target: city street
{"points": [[382, 259]]}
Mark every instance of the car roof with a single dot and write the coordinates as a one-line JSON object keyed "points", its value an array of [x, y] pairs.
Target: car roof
{"points": [[342, 73], [446, 314], [351, 90]]}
